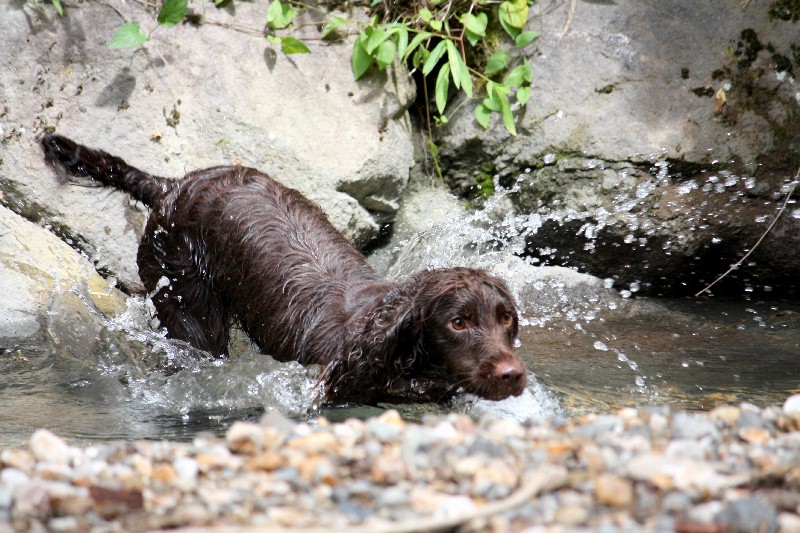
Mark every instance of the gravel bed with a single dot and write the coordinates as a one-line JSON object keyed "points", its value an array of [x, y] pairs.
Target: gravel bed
{"points": [[736, 468]]}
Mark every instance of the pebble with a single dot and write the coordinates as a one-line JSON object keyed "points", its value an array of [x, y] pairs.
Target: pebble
{"points": [[736, 468]]}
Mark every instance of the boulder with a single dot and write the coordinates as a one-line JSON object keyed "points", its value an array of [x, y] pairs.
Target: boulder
{"points": [[193, 96], [49, 294]]}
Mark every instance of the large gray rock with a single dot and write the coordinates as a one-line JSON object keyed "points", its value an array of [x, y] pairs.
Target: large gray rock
{"points": [[622, 152], [191, 97], [48, 292]]}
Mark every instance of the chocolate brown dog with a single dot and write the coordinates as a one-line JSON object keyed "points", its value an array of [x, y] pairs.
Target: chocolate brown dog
{"points": [[230, 243]]}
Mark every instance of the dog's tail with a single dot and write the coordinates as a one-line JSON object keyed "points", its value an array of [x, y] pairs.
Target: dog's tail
{"points": [[69, 158]]}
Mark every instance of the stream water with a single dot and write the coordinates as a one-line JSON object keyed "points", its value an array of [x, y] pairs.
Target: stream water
{"points": [[690, 353], [694, 355]]}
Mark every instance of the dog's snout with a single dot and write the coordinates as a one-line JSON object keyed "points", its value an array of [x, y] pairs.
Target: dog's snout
{"points": [[509, 370]]}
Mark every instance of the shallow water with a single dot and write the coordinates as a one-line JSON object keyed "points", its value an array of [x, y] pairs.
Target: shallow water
{"points": [[691, 354], [133, 383], [697, 355]]}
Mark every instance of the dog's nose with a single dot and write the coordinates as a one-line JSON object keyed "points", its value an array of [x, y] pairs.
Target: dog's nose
{"points": [[509, 371]]}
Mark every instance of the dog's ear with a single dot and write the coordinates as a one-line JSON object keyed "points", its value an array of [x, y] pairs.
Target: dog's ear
{"points": [[397, 335]]}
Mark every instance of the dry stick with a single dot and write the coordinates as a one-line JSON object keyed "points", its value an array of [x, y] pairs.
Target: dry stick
{"points": [[568, 22], [766, 232]]}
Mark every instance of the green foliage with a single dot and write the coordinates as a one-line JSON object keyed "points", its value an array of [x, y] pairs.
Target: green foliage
{"points": [[446, 39], [289, 45], [280, 16], [172, 12], [441, 40], [129, 35], [485, 184]]}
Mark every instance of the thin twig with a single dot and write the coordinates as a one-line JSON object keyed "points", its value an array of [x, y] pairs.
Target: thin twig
{"points": [[766, 232], [463, 31], [568, 22]]}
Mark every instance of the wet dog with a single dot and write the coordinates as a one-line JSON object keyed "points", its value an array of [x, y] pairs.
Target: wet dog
{"points": [[230, 243]]}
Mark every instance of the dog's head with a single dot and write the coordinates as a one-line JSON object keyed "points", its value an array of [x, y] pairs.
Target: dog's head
{"points": [[462, 324]]}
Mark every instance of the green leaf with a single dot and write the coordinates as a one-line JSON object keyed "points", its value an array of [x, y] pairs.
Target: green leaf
{"points": [[59, 10], [425, 14], [466, 80], [172, 12], [494, 89], [419, 56], [442, 86], [528, 71], [505, 112], [280, 15], [454, 59], [520, 75], [497, 61], [436, 24], [290, 45], [436, 54], [376, 38], [491, 105], [331, 26], [402, 41], [525, 38], [385, 54], [415, 42], [482, 115], [472, 38], [129, 35], [514, 13], [510, 30], [523, 95], [476, 24], [360, 59]]}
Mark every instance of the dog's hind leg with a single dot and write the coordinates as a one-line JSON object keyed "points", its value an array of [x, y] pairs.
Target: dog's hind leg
{"points": [[185, 303]]}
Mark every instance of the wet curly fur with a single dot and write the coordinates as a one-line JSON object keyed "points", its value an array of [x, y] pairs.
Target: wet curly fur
{"points": [[230, 243]]}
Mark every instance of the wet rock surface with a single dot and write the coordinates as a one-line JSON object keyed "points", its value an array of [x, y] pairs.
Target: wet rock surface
{"points": [[735, 468], [169, 108], [624, 153]]}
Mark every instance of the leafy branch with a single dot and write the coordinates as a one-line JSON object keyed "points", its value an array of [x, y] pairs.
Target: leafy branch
{"points": [[279, 16], [446, 40], [441, 41]]}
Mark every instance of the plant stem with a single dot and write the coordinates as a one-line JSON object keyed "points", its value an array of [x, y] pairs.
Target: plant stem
{"points": [[769, 228]]}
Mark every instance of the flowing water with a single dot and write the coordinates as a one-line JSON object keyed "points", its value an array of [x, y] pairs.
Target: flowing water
{"points": [[587, 351]]}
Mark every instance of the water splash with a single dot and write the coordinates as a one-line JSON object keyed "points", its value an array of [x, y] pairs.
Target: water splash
{"points": [[179, 378], [535, 403]]}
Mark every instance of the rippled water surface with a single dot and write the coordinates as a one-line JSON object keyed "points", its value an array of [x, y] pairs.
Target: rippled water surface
{"points": [[690, 354], [696, 355]]}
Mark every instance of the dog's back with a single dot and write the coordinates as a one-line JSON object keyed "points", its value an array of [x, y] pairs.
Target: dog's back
{"points": [[232, 243]]}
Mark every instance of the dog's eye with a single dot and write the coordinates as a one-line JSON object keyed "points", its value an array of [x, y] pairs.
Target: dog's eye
{"points": [[508, 318], [458, 323]]}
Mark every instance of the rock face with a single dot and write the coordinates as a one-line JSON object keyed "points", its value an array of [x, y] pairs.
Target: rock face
{"points": [[624, 155], [44, 282], [191, 97]]}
